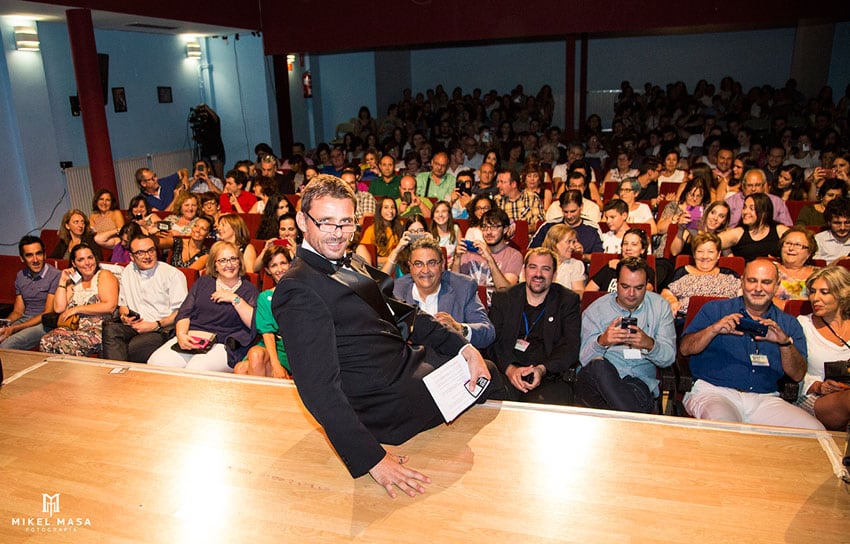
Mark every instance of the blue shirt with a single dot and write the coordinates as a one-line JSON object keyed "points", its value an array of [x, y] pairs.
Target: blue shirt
{"points": [[166, 192], [34, 288], [654, 318], [726, 362]]}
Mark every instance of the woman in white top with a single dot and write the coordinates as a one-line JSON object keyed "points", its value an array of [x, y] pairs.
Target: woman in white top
{"points": [[827, 332], [671, 172]]}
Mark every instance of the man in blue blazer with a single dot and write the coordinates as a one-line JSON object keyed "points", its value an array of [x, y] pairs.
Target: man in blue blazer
{"points": [[451, 298]]}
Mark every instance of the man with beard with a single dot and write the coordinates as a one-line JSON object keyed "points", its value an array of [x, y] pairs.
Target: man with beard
{"points": [[537, 333], [358, 369], [491, 262], [450, 297], [625, 337], [736, 365]]}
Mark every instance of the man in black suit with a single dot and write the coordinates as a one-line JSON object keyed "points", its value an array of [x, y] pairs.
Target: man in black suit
{"points": [[538, 330], [354, 369]]}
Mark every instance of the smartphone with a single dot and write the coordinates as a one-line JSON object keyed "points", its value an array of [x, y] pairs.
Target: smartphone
{"points": [[201, 343], [751, 327], [830, 173], [282, 242], [163, 226], [470, 246], [407, 198], [202, 168], [417, 236], [138, 217], [132, 314], [75, 276], [628, 322], [696, 215]]}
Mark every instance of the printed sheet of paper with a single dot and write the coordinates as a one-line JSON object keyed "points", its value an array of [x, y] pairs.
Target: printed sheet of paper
{"points": [[447, 386]]}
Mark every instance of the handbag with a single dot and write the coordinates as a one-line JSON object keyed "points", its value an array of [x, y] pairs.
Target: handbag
{"points": [[50, 320]]}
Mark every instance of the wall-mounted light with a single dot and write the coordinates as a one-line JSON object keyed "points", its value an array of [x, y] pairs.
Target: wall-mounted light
{"points": [[290, 62], [193, 49], [26, 38]]}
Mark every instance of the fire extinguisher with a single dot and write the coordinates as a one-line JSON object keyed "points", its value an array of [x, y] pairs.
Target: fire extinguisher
{"points": [[307, 83]]}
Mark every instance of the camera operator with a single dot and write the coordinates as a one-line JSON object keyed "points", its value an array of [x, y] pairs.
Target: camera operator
{"points": [[624, 337], [740, 348]]}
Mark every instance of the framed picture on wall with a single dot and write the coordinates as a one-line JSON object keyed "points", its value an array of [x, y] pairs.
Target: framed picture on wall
{"points": [[164, 95], [119, 99]]}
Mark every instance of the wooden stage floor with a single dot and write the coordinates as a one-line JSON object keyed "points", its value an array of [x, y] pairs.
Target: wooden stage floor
{"points": [[167, 456]]}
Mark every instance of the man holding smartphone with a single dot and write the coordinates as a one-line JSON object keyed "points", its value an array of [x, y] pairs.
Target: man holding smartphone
{"points": [[625, 337], [736, 367], [409, 203], [150, 294]]}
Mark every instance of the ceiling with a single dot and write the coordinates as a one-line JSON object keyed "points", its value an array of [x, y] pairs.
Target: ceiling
{"points": [[107, 20]]}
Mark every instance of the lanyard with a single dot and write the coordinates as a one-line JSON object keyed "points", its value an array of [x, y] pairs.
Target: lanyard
{"points": [[525, 322]]}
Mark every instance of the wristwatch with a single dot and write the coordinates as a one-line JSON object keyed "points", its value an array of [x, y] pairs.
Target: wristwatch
{"points": [[236, 300], [786, 344], [464, 330]]}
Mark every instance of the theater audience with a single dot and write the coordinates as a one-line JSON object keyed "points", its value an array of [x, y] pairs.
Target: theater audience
{"points": [[140, 213], [638, 211], [562, 240], [149, 295], [616, 214], [635, 244], [492, 262], [415, 228], [213, 325], [755, 182], [232, 228], [384, 233], [450, 297], [715, 219], [35, 288], [625, 337], [703, 278], [758, 235], [796, 248], [86, 296], [827, 332], [517, 204], [74, 230], [537, 333], [186, 210], [834, 243], [444, 229], [812, 214], [191, 252], [737, 367], [105, 215], [268, 356]]}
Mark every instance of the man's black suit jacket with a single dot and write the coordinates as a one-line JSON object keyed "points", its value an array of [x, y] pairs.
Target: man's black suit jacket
{"points": [[561, 327], [354, 372]]}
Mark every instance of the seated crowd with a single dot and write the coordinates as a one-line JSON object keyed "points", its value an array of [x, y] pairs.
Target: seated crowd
{"points": [[575, 278]]}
